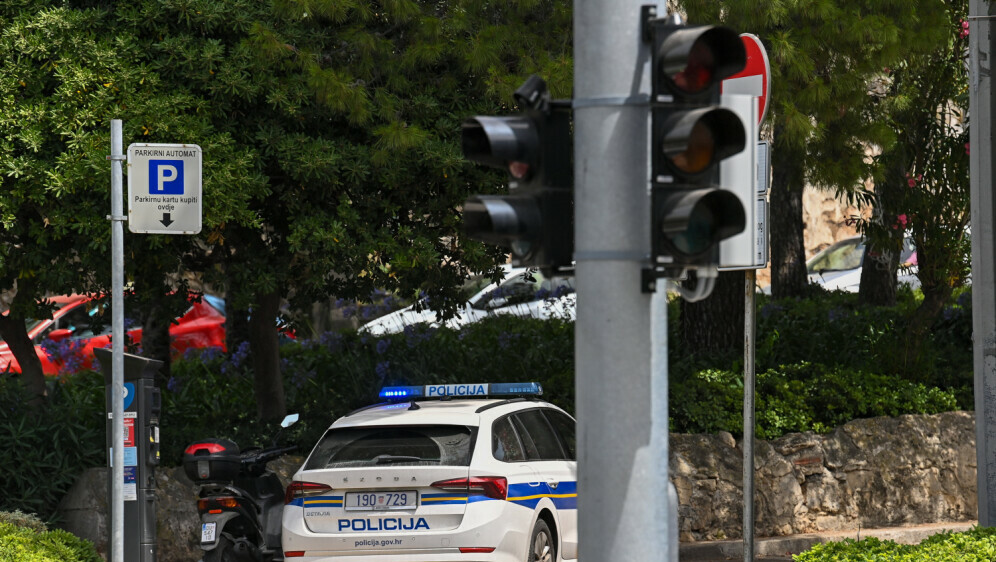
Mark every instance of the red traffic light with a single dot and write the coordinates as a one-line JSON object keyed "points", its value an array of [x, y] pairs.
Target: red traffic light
{"points": [[694, 59]]}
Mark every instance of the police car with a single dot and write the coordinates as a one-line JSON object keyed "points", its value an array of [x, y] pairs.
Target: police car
{"points": [[470, 472]]}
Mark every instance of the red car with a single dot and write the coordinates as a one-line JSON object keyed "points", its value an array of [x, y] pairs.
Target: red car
{"points": [[72, 332]]}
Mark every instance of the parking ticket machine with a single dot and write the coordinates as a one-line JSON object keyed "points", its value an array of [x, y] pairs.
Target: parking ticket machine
{"points": [[142, 406]]}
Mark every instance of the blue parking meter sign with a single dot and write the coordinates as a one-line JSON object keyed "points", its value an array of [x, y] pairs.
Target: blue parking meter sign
{"points": [[166, 177], [164, 188]]}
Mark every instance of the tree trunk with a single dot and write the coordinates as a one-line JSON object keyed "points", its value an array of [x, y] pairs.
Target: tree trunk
{"points": [[788, 249], [14, 332], [878, 277], [236, 324], [265, 346], [716, 324], [922, 319], [155, 336]]}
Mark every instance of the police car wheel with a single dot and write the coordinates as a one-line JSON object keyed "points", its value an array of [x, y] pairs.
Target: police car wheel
{"points": [[542, 547]]}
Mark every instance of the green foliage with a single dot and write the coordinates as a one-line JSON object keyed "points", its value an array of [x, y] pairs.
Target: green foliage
{"points": [[976, 545], [795, 398], [836, 329], [23, 544], [50, 445]]}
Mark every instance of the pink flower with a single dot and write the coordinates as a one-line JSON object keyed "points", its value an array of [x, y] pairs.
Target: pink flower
{"points": [[964, 29], [911, 182], [901, 222], [966, 148]]}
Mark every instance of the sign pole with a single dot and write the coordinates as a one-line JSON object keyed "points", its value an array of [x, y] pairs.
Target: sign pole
{"points": [[750, 328], [117, 341]]}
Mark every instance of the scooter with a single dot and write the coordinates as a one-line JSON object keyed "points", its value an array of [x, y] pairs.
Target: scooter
{"points": [[240, 500]]}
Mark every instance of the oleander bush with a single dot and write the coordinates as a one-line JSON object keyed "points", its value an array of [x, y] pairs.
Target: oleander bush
{"points": [[976, 545], [45, 448]]}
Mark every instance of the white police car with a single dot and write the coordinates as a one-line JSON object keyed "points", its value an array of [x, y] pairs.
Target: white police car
{"points": [[487, 472]]}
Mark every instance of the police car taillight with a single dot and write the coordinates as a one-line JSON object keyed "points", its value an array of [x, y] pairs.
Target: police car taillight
{"points": [[303, 490], [494, 487]]}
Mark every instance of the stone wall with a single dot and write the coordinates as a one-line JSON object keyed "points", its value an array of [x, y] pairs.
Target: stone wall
{"points": [[868, 473]]}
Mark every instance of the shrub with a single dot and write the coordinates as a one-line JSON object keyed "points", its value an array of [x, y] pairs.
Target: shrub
{"points": [[795, 398], [977, 545], [22, 544], [50, 445], [20, 519]]}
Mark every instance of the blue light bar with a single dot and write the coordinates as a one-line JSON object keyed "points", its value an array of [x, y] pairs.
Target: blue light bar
{"points": [[461, 390], [401, 392], [517, 389]]}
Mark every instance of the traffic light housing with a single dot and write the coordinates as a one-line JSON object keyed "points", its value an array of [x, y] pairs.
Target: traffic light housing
{"points": [[691, 135], [535, 221]]}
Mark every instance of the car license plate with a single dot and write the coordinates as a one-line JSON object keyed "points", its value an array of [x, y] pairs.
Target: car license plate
{"points": [[376, 501], [208, 532]]}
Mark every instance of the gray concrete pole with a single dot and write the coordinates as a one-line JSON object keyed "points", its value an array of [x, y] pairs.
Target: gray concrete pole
{"points": [[980, 45], [117, 343], [619, 465]]}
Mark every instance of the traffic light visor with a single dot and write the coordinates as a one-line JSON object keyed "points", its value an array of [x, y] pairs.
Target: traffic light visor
{"points": [[693, 222], [505, 220], [695, 140], [692, 60], [511, 143]]}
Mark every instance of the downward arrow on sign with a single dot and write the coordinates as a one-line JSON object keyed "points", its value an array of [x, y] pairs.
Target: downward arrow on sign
{"points": [[166, 220]]}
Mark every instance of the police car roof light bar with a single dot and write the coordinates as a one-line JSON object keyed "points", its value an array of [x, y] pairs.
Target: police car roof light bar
{"points": [[404, 393]]}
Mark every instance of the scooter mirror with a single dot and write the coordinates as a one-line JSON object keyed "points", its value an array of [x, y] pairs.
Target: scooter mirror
{"points": [[290, 420]]}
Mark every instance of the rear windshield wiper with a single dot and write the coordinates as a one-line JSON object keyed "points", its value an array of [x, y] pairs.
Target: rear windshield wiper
{"points": [[388, 459]]}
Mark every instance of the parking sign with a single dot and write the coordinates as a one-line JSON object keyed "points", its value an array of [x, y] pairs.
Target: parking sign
{"points": [[164, 188]]}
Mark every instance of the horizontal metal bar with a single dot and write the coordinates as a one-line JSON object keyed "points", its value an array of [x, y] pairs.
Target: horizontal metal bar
{"points": [[638, 100], [611, 255]]}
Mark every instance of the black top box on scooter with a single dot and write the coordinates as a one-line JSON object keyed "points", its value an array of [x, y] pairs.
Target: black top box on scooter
{"points": [[211, 460]]}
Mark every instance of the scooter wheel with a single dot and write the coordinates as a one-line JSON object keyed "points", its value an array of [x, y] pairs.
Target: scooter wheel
{"points": [[232, 551]]}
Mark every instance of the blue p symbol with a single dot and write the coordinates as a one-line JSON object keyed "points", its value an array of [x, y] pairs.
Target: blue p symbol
{"points": [[165, 177]]}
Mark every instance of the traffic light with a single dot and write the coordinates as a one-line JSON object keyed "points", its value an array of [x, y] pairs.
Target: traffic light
{"points": [[535, 221], [690, 136]]}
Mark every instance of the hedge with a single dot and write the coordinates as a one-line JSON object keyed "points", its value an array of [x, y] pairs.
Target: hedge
{"points": [[24, 538], [977, 545]]}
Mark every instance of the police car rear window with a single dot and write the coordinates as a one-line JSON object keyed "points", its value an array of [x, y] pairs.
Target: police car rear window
{"points": [[422, 445]]}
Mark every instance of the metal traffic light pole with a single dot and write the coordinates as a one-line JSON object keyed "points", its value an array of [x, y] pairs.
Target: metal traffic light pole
{"points": [[624, 508], [983, 203]]}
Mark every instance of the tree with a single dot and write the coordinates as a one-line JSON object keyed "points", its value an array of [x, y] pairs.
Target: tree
{"points": [[329, 131], [823, 55], [65, 71], [58, 79], [351, 112], [923, 186]]}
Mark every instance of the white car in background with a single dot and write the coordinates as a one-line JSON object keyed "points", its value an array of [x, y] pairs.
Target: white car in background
{"points": [[523, 292], [838, 267]]}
